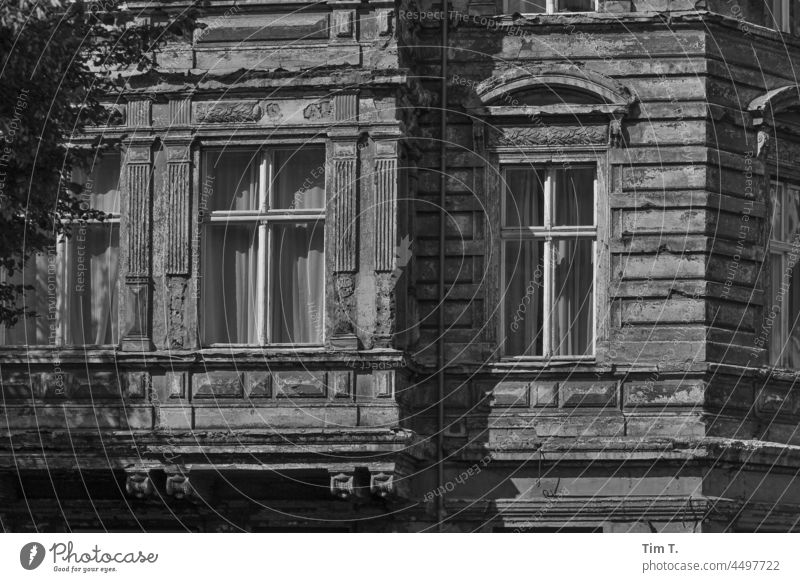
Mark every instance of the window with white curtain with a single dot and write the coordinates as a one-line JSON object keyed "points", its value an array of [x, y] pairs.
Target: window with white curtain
{"points": [[263, 279], [74, 283], [548, 251], [783, 311], [548, 6]]}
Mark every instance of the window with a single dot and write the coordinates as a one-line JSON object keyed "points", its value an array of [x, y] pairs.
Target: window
{"points": [[780, 14], [75, 282], [547, 6], [548, 305], [263, 256], [784, 248]]}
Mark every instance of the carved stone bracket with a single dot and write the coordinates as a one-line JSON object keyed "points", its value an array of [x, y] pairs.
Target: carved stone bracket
{"points": [[386, 484], [765, 142], [342, 485], [179, 486], [139, 485]]}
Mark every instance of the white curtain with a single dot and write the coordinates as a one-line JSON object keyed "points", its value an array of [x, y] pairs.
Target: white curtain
{"points": [[526, 6], [573, 309], [33, 330], [299, 179], [524, 265], [298, 283], [229, 284], [230, 180], [75, 293], [88, 286]]}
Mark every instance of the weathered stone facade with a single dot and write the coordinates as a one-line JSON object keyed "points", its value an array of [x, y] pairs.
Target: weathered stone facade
{"points": [[673, 423]]}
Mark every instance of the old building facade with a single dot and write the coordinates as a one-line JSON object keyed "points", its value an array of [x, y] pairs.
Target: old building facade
{"points": [[274, 332]]}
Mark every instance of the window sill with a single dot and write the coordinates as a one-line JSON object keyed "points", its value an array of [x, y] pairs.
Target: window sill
{"points": [[542, 362]]}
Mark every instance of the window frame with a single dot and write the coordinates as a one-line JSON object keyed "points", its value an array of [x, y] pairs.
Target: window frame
{"points": [[264, 218], [572, 158], [780, 247], [780, 8], [62, 262], [552, 8]]}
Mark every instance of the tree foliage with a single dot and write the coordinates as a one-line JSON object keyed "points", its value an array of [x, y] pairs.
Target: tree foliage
{"points": [[62, 67]]}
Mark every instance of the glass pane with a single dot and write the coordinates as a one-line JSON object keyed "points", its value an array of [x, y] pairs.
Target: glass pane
{"points": [[297, 282], [299, 179], [230, 180], [573, 200], [523, 303], [101, 190], [229, 290], [575, 5], [776, 195], [573, 293], [772, 312], [791, 206], [36, 330], [524, 197], [526, 6], [91, 285], [792, 350]]}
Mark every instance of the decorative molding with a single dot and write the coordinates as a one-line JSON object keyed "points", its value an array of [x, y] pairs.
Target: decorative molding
{"points": [[180, 111], [345, 107], [345, 225], [139, 114], [177, 216], [177, 287], [384, 22], [317, 111], [139, 485], [385, 213], [137, 384], [342, 485], [550, 135], [342, 23], [138, 215], [615, 133], [341, 383], [344, 308], [229, 112], [383, 383], [176, 385], [765, 147]]}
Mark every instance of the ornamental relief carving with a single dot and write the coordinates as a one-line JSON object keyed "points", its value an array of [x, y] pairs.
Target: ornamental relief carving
{"points": [[550, 135], [236, 112]]}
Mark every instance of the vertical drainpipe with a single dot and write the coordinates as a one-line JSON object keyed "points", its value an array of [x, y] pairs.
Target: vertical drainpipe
{"points": [[440, 356]]}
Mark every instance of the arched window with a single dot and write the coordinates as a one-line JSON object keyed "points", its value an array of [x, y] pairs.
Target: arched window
{"points": [[546, 136]]}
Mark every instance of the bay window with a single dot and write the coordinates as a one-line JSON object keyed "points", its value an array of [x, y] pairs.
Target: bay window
{"points": [[74, 283], [548, 248], [784, 252], [548, 6], [263, 278]]}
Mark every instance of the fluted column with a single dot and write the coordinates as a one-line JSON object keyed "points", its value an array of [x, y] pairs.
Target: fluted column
{"points": [[387, 269], [137, 220], [343, 220], [177, 207]]}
